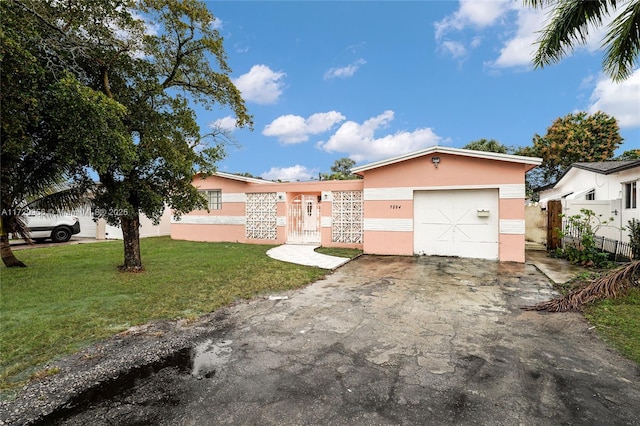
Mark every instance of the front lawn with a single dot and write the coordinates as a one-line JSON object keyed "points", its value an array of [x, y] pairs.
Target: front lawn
{"points": [[618, 322], [73, 295]]}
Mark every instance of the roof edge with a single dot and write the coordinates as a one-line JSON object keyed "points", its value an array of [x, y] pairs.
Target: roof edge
{"points": [[628, 164], [534, 161], [240, 178]]}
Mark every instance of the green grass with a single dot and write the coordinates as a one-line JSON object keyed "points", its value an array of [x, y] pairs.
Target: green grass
{"points": [[339, 252], [618, 323], [71, 296]]}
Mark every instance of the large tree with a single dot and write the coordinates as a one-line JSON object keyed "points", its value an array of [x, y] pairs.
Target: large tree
{"points": [[490, 145], [153, 58], [341, 170], [631, 154], [578, 137], [569, 27], [40, 169]]}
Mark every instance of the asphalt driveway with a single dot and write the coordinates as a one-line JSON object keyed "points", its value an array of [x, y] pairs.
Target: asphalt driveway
{"points": [[389, 340]]}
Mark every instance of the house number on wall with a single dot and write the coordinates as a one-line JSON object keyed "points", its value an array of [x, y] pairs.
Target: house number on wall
{"points": [[395, 206]]}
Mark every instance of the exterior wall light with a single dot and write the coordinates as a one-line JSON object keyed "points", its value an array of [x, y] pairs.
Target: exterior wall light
{"points": [[435, 161]]}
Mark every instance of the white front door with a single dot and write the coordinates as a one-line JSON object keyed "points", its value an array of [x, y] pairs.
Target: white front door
{"points": [[304, 220], [456, 223]]}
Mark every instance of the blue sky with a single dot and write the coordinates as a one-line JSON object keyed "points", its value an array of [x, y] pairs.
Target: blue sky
{"points": [[375, 79]]}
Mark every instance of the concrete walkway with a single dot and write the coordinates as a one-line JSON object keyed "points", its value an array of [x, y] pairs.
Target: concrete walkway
{"points": [[559, 271], [306, 255]]}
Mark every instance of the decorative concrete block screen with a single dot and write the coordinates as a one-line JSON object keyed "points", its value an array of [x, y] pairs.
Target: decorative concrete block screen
{"points": [[261, 211], [347, 217]]}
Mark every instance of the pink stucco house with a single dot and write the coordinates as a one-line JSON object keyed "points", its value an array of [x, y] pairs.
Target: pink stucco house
{"points": [[437, 201]]}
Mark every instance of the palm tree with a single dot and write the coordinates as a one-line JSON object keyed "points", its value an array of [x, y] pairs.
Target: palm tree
{"points": [[40, 167], [569, 26], [46, 192]]}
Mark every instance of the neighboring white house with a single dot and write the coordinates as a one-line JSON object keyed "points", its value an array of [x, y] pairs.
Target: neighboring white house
{"points": [[609, 188], [100, 230]]}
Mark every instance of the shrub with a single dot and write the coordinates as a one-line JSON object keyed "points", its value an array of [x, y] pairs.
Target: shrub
{"points": [[583, 250], [634, 236]]}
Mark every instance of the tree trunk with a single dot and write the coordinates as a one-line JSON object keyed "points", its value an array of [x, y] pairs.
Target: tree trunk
{"points": [[131, 236], [8, 258]]}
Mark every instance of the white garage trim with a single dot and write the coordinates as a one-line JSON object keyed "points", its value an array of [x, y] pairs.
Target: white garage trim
{"points": [[394, 225], [512, 191], [210, 220], [405, 193], [388, 194], [512, 226]]}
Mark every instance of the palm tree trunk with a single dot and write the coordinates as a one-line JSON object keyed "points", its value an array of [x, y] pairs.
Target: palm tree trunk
{"points": [[8, 258], [131, 236]]}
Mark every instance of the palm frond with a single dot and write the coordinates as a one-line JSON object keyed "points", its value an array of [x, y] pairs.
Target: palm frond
{"points": [[569, 26], [538, 3], [57, 198], [623, 40], [19, 226], [614, 284]]}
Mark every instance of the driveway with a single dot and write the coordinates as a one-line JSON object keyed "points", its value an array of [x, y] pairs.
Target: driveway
{"points": [[390, 340]]}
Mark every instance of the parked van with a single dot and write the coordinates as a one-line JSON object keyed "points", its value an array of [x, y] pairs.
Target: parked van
{"points": [[45, 226]]}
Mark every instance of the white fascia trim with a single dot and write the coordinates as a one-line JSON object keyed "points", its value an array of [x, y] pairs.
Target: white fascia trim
{"points": [[210, 220], [512, 226], [234, 197], [241, 178], [446, 150], [516, 190], [406, 193], [393, 225], [388, 194]]}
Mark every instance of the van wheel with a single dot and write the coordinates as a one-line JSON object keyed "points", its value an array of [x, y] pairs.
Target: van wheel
{"points": [[61, 234]]}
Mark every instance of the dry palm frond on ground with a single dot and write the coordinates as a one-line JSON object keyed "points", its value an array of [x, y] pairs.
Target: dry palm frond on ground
{"points": [[615, 283]]}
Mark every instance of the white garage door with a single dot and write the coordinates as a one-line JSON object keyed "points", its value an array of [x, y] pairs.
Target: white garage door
{"points": [[456, 223], [87, 227]]}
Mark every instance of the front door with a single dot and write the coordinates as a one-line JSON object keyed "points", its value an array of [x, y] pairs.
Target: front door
{"points": [[304, 220]]}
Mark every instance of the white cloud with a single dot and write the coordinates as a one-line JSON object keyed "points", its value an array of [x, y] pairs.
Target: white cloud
{"points": [[360, 143], [240, 47], [260, 85], [322, 121], [520, 50], [344, 72], [479, 14], [217, 24], [289, 174], [290, 129], [518, 27], [227, 123], [454, 48], [621, 100]]}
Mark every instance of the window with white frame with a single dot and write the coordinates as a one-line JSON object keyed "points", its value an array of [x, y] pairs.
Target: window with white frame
{"points": [[214, 198], [591, 195], [631, 195]]}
